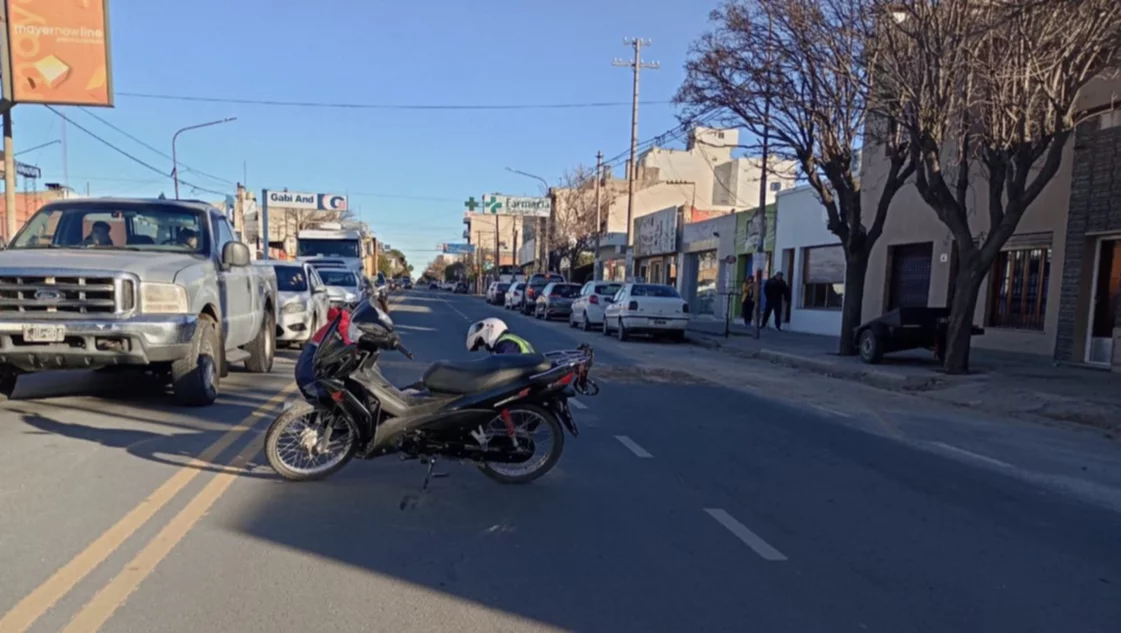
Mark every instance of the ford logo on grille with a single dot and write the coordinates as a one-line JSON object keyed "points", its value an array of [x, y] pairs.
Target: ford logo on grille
{"points": [[48, 295]]}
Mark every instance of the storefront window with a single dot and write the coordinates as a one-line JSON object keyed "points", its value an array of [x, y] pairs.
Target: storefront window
{"points": [[823, 277]]}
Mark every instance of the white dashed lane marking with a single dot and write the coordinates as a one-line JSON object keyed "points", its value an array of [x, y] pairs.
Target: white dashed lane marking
{"points": [[831, 411], [971, 455], [633, 446], [751, 539], [576, 403]]}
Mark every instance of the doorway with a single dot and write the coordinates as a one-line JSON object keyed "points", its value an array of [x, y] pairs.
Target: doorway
{"points": [[909, 275], [1103, 301]]}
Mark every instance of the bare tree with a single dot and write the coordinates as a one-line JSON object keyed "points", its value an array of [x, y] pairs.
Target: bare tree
{"points": [[797, 74], [989, 90], [310, 219], [574, 215]]}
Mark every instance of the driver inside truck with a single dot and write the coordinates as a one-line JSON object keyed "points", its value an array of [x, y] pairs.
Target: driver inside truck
{"points": [[99, 235], [189, 238]]}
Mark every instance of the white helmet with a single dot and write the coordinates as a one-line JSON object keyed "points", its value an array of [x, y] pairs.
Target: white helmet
{"points": [[485, 333]]}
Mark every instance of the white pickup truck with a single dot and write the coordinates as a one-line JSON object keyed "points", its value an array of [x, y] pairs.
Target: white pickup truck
{"points": [[158, 285]]}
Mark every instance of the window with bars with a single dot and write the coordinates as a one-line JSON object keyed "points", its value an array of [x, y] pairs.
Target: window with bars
{"points": [[1018, 289]]}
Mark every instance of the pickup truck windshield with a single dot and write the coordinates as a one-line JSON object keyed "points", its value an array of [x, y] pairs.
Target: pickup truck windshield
{"points": [[98, 226], [338, 278], [306, 247], [290, 279]]}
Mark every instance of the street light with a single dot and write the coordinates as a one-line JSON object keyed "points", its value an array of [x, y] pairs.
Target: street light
{"points": [[548, 220], [174, 137]]}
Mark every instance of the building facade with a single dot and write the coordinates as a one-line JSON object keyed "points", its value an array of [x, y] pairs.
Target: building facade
{"points": [[707, 264], [812, 260], [1043, 295]]}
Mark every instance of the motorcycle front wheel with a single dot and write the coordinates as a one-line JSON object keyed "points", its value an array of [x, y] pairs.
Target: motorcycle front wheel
{"points": [[298, 447], [530, 421]]}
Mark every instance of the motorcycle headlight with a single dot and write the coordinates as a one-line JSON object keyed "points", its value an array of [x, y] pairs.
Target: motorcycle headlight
{"points": [[294, 307], [161, 298]]}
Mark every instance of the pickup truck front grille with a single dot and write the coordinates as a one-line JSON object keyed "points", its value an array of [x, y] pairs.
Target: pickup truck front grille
{"points": [[66, 295]]}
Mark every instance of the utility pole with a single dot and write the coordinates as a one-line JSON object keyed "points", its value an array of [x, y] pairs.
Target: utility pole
{"points": [[517, 264], [9, 179], [759, 259], [636, 65], [599, 176]]}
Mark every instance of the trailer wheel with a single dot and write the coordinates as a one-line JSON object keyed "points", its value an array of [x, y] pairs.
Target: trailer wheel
{"points": [[871, 347]]}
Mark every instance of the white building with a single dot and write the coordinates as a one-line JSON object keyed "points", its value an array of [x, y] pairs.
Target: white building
{"points": [[704, 175], [813, 262]]}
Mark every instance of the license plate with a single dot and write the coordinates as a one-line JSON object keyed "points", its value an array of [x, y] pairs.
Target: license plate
{"points": [[44, 333], [659, 321]]}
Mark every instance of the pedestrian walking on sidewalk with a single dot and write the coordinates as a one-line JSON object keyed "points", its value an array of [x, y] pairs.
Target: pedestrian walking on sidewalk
{"points": [[775, 292], [747, 301]]}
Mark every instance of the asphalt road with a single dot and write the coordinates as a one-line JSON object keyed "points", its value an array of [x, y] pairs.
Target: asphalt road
{"points": [[682, 506]]}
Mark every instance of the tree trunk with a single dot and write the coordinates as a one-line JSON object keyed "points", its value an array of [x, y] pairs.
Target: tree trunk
{"points": [[856, 272], [960, 331]]}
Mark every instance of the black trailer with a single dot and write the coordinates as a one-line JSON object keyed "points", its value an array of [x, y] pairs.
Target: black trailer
{"points": [[905, 329]]}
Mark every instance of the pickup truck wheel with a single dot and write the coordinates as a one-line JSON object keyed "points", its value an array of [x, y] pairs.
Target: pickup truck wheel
{"points": [[263, 348], [195, 379]]}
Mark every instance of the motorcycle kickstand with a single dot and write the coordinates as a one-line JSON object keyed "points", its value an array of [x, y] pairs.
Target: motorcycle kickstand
{"points": [[429, 474]]}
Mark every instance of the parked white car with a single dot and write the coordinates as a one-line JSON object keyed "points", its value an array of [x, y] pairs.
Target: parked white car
{"points": [[303, 299], [515, 296], [655, 309], [587, 309]]}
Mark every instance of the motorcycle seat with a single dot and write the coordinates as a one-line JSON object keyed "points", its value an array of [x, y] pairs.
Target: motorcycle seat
{"points": [[464, 377]]}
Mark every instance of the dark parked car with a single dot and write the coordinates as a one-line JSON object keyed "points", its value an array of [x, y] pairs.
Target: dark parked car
{"points": [[460, 288], [433, 286], [534, 287], [555, 300]]}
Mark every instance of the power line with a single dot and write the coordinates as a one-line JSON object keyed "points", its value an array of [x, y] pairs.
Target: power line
{"points": [[383, 106], [126, 154], [182, 166]]}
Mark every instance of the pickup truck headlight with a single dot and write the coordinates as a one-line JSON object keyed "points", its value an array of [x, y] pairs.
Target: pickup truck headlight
{"points": [[294, 307], [159, 298]]}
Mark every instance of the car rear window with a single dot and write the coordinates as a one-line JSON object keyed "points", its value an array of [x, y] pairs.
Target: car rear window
{"points": [[565, 290], [503, 287], [608, 289], [653, 290]]}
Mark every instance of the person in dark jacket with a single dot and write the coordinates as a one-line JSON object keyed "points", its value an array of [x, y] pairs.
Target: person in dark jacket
{"points": [[775, 292]]}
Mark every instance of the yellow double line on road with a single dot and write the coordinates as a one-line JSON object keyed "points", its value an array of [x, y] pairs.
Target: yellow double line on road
{"points": [[96, 612]]}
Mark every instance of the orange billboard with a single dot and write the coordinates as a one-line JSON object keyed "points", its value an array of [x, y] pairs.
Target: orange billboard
{"points": [[59, 52]]}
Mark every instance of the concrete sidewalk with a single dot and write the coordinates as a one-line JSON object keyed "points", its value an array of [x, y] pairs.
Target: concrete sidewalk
{"points": [[1001, 382]]}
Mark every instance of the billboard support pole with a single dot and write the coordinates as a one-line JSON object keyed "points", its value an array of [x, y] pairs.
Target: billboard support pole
{"points": [[9, 178], [263, 224]]}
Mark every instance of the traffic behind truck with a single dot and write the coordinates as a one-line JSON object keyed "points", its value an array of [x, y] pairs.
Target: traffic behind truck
{"points": [[157, 285]]}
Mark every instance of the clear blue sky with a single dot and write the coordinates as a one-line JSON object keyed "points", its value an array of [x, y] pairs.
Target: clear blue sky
{"points": [[407, 171]]}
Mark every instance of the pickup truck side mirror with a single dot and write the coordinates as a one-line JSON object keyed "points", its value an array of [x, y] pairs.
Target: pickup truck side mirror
{"points": [[235, 254], [319, 290]]}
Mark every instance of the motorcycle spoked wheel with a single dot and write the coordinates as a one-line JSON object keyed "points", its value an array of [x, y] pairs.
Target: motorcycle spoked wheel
{"points": [[529, 420], [293, 444]]}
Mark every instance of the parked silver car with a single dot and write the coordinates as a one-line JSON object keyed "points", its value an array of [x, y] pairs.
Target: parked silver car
{"points": [[303, 299], [555, 300], [344, 288]]}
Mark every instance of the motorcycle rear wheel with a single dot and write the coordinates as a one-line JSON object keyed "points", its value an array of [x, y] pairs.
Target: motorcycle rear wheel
{"points": [[507, 473], [276, 454]]}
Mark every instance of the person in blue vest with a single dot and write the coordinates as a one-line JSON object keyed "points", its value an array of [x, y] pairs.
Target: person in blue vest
{"points": [[493, 335]]}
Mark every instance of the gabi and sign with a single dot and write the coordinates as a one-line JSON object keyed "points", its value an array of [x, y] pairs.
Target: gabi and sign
{"points": [[59, 52], [306, 201], [499, 204]]}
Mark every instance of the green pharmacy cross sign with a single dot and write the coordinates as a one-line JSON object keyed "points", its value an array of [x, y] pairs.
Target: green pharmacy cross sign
{"points": [[471, 204], [492, 204]]}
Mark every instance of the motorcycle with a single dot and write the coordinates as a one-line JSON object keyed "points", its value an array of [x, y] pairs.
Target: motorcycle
{"points": [[485, 412]]}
